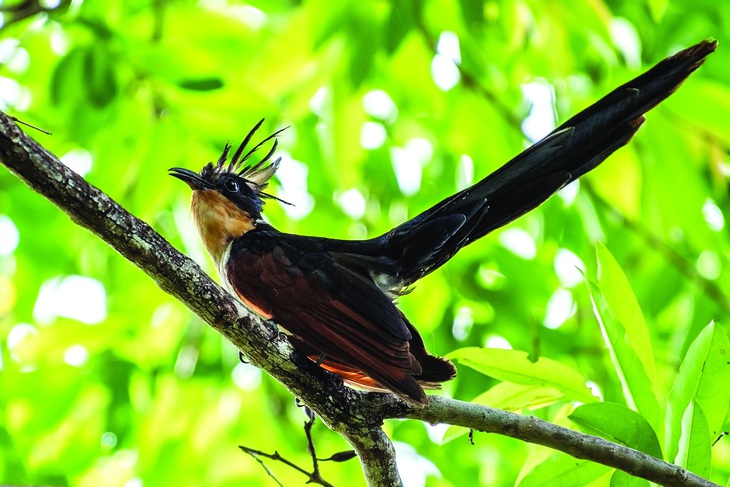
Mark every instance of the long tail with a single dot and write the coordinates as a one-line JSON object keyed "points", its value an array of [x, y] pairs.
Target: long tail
{"points": [[430, 239]]}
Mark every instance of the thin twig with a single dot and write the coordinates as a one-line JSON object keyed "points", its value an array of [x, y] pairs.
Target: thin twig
{"points": [[278, 458], [310, 445], [257, 456], [17, 120], [314, 476]]}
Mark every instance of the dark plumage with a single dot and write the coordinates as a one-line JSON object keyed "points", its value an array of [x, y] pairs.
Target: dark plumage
{"points": [[335, 297]]}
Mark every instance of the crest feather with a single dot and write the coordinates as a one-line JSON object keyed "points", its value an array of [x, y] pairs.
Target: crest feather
{"points": [[256, 175]]}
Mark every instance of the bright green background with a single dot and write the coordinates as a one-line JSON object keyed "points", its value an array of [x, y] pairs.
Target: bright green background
{"points": [[141, 86]]}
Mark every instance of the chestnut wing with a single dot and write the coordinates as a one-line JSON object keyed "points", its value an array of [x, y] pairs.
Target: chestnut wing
{"points": [[330, 308]]}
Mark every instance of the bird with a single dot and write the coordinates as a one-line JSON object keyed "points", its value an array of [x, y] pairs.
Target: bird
{"points": [[335, 299]]}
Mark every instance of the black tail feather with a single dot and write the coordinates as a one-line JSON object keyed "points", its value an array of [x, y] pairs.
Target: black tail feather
{"points": [[525, 182]]}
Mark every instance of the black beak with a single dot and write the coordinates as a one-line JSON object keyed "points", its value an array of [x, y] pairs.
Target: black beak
{"points": [[192, 178]]}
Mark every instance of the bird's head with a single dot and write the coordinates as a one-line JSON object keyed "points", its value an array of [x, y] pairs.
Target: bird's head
{"points": [[228, 196], [239, 181]]}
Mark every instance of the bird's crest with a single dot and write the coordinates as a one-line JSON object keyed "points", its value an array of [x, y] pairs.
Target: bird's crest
{"points": [[256, 175]]}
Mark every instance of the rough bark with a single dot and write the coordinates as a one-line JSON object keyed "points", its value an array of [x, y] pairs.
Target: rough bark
{"points": [[357, 416]]}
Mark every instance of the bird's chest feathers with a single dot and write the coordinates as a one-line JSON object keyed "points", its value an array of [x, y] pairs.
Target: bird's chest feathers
{"points": [[219, 221]]}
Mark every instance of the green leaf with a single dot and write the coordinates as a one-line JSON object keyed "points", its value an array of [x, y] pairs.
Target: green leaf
{"points": [[99, 75], [620, 297], [402, 19], [618, 424], [472, 11], [561, 470], [625, 334], [514, 366], [201, 84], [693, 451], [703, 378], [515, 397], [362, 52], [622, 479], [67, 76], [657, 8]]}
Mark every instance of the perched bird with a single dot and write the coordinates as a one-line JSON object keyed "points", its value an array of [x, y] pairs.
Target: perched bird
{"points": [[335, 298]]}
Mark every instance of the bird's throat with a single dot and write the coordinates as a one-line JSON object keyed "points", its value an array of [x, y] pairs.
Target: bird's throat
{"points": [[219, 221]]}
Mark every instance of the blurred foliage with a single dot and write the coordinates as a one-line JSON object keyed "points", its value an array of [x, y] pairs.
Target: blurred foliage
{"points": [[106, 380]]}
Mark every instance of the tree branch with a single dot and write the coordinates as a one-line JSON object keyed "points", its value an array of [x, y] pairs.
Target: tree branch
{"points": [[534, 430], [357, 416]]}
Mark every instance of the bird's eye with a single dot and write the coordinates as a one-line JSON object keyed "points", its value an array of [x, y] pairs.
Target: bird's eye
{"points": [[231, 185]]}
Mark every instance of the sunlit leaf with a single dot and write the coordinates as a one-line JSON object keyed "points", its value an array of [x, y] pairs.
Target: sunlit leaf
{"points": [[658, 8], [362, 51], [403, 18], [473, 11], [514, 397], [515, 366], [622, 302], [623, 479], [625, 334], [562, 470], [702, 379], [693, 452]]}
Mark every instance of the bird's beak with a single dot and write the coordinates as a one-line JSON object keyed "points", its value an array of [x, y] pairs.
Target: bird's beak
{"points": [[192, 178]]}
